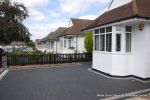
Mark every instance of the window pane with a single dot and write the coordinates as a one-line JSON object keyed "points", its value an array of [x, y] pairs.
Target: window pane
{"points": [[97, 42], [118, 42], [128, 28], [69, 38], [128, 42], [97, 31], [108, 29], [102, 42], [60, 43], [108, 42], [52, 45], [69, 43], [65, 43], [102, 30]]}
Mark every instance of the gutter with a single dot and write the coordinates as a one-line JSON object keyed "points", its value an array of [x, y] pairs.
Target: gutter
{"points": [[132, 17]]}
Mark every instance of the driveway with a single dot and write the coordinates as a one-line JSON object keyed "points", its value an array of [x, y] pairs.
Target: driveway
{"points": [[66, 82]]}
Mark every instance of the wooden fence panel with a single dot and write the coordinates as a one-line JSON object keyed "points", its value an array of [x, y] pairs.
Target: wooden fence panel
{"points": [[27, 59]]}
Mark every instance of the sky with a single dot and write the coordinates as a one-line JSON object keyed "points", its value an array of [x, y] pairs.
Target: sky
{"points": [[46, 16]]}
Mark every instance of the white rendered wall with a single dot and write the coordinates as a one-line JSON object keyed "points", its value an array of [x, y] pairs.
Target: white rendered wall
{"points": [[117, 3], [138, 51], [80, 44], [102, 61], [147, 69]]}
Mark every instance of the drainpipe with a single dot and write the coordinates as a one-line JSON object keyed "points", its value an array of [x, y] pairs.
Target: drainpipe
{"points": [[76, 43], [56, 46]]}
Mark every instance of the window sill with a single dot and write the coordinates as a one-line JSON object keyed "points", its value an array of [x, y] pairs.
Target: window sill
{"points": [[114, 53]]}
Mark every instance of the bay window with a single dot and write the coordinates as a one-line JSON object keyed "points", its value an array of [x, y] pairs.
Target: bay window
{"points": [[103, 39]]}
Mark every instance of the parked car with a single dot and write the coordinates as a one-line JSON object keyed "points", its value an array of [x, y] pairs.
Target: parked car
{"points": [[28, 49], [8, 49]]}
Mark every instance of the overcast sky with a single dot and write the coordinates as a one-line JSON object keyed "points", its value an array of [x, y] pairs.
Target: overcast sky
{"points": [[47, 15]]}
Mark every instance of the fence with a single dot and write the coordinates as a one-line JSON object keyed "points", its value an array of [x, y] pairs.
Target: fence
{"points": [[25, 59]]}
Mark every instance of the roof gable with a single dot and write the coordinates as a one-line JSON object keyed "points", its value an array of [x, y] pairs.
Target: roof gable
{"points": [[78, 25]]}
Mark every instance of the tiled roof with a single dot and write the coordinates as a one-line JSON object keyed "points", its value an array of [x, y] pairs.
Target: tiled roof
{"points": [[134, 9], [54, 35], [78, 25], [38, 40]]}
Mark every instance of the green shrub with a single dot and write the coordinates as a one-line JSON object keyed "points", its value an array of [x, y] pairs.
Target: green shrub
{"points": [[34, 52], [88, 42]]}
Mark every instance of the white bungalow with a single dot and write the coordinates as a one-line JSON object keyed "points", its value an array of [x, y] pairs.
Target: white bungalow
{"points": [[50, 43], [122, 39], [72, 40]]}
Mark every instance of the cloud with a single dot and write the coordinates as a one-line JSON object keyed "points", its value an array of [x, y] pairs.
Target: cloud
{"points": [[41, 30], [33, 6], [54, 13], [34, 3], [36, 15], [75, 6], [92, 17], [104, 10]]}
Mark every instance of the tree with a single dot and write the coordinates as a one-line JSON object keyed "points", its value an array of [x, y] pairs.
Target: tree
{"points": [[11, 22], [31, 44], [88, 42]]}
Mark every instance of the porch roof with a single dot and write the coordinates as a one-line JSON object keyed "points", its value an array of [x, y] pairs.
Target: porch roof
{"points": [[134, 9]]}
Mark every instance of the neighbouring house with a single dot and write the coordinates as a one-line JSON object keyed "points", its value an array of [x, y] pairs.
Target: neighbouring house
{"points": [[52, 40], [50, 43], [122, 39], [72, 40], [38, 43]]}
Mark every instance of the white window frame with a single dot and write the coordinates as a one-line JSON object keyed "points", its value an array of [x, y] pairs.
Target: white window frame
{"points": [[98, 34], [106, 39], [70, 39], [130, 46], [52, 44], [105, 44], [101, 34], [120, 42], [65, 42]]}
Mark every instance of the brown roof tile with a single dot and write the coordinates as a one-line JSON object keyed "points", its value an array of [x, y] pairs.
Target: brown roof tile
{"points": [[136, 8], [54, 35], [78, 25], [38, 40]]}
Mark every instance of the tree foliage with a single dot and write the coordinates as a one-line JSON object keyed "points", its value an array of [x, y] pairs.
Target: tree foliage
{"points": [[31, 44], [88, 42], [12, 29]]}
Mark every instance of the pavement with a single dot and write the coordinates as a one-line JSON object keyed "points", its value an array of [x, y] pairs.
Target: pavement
{"points": [[65, 82]]}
